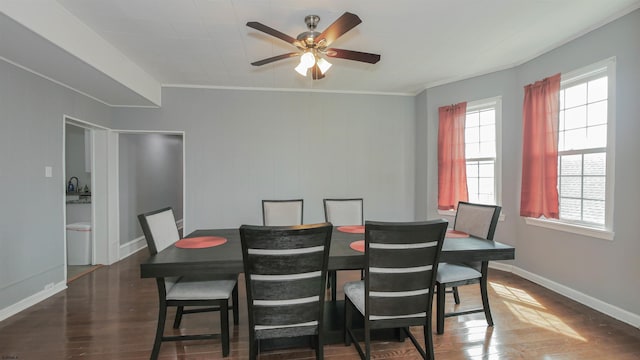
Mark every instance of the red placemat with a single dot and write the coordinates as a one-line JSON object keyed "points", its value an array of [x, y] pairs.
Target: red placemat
{"points": [[353, 229], [200, 242], [357, 245], [456, 234]]}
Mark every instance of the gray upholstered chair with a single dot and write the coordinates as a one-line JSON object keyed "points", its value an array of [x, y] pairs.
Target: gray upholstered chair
{"points": [[160, 230], [478, 220], [401, 261], [282, 212], [285, 271], [341, 212]]}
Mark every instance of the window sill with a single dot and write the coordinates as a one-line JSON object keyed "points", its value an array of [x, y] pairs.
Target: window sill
{"points": [[571, 228], [453, 213]]}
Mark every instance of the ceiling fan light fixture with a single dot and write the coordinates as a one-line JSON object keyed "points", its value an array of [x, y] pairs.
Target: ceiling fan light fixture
{"points": [[308, 59], [324, 65], [301, 69]]}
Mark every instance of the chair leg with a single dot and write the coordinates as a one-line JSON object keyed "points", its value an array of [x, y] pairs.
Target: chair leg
{"points": [[440, 309], [178, 320], [484, 293], [224, 326], [253, 349], [162, 316], [319, 347], [334, 284], [236, 305], [367, 342], [348, 321], [456, 296], [428, 340]]}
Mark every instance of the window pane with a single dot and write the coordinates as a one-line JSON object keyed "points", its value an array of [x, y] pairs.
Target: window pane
{"points": [[598, 89], [472, 150], [486, 169], [488, 132], [575, 118], [486, 199], [594, 211], [487, 149], [472, 169], [575, 95], [575, 139], [570, 186], [597, 136], [597, 113], [471, 135], [594, 187], [472, 119], [472, 187], [570, 209], [595, 164], [485, 185], [571, 165], [487, 117], [562, 99]]}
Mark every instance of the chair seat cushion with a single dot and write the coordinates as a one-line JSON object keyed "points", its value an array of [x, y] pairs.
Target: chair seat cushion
{"points": [[354, 290], [448, 273], [186, 289]]}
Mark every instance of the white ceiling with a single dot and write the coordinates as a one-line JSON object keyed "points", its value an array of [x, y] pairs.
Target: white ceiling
{"points": [[205, 43]]}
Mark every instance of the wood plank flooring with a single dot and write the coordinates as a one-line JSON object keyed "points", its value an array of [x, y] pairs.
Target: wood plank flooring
{"points": [[111, 313]]}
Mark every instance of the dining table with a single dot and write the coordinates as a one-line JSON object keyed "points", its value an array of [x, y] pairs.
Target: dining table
{"points": [[227, 258]]}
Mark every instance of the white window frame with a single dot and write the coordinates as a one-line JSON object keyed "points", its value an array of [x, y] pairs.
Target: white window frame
{"points": [[496, 103], [601, 232]]}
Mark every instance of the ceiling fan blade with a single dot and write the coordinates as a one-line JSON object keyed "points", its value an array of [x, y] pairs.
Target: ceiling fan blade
{"points": [[271, 31], [353, 55], [274, 58], [343, 24], [316, 74]]}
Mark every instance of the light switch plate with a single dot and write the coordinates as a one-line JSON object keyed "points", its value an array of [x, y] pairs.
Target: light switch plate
{"points": [[48, 171]]}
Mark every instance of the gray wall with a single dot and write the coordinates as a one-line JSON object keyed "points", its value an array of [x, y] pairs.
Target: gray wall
{"points": [[150, 176], [605, 270], [245, 146], [31, 216]]}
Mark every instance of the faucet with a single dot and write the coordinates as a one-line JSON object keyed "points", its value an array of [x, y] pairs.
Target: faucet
{"points": [[70, 187]]}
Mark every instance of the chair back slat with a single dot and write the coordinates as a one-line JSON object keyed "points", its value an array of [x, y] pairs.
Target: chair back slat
{"points": [[285, 276], [341, 212], [395, 287], [282, 212], [400, 257], [398, 307], [478, 220]]}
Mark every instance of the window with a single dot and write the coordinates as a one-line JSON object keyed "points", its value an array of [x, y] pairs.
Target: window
{"points": [[585, 150], [481, 125]]}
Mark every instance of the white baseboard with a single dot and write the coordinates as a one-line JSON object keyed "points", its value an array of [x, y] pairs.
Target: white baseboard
{"points": [[132, 247], [584, 299], [31, 300], [501, 266]]}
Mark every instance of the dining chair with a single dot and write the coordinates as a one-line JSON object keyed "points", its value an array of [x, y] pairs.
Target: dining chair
{"points": [[478, 220], [160, 231], [401, 261], [282, 212], [285, 270], [341, 212]]}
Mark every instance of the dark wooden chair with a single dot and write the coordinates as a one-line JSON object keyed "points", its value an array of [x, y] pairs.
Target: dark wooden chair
{"points": [[160, 230], [477, 220], [282, 212], [285, 270], [401, 261], [341, 212]]}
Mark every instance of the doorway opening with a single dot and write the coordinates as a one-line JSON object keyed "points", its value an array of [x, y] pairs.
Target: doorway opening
{"points": [[84, 159]]}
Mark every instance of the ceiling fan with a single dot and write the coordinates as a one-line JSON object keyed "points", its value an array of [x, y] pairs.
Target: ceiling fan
{"points": [[314, 45]]}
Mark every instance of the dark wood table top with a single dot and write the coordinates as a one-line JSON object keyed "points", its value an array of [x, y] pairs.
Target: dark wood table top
{"points": [[227, 258]]}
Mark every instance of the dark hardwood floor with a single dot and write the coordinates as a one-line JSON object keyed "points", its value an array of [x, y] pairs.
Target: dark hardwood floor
{"points": [[111, 313]]}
